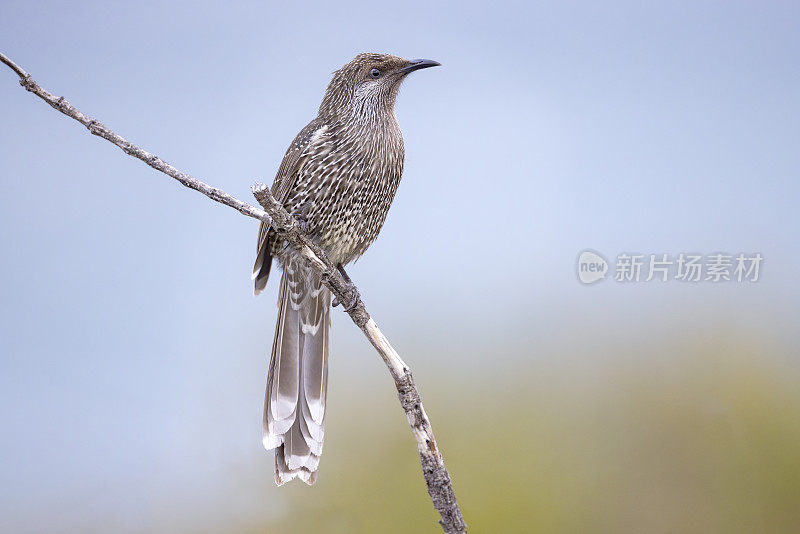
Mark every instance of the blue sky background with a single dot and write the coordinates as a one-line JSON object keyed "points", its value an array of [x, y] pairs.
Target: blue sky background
{"points": [[132, 352]]}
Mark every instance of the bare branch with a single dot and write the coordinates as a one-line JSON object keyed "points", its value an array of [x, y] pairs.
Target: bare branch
{"points": [[436, 476]]}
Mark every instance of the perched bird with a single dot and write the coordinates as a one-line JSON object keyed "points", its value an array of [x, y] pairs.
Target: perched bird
{"points": [[338, 178]]}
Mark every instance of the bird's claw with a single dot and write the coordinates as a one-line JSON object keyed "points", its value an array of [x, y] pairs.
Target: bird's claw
{"points": [[353, 295]]}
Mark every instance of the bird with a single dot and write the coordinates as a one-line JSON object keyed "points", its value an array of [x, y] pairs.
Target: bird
{"points": [[338, 179]]}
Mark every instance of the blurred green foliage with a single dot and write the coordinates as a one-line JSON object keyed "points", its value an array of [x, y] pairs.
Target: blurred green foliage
{"points": [[658, 436]]}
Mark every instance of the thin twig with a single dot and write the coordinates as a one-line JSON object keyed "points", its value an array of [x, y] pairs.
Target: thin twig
{"points": [[436, 476]]}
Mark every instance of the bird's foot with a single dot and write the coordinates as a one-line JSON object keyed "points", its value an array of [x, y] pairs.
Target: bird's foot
{"points": [[353, 296], [352, 293]]}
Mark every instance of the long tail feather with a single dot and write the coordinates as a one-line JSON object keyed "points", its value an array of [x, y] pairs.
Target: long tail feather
{"points": [[297, 383]]}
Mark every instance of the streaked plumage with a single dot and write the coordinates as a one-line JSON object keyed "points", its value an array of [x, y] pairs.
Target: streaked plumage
{"points": [[338, 178]]}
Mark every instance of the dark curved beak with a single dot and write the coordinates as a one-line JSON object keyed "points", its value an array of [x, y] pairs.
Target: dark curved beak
{"points": [[416, 64]]}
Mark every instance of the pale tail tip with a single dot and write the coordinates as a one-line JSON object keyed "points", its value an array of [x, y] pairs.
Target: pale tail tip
{"points": [[271, 441], [309, 477]]}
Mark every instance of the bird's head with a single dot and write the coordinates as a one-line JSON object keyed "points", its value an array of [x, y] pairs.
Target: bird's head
{"points": [[367, 86]]}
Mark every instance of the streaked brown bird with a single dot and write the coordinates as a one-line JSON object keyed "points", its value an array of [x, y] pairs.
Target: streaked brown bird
{"points": [[338, 178]]}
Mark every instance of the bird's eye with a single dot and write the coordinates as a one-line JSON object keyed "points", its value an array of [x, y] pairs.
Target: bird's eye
{"points": [[375, 73]]}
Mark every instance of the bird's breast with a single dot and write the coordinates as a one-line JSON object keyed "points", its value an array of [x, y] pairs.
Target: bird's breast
{"points": [[345, 190]]}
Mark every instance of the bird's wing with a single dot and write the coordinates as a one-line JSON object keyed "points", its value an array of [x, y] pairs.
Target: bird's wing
{"points": [[304, 146], [310, 141]]}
